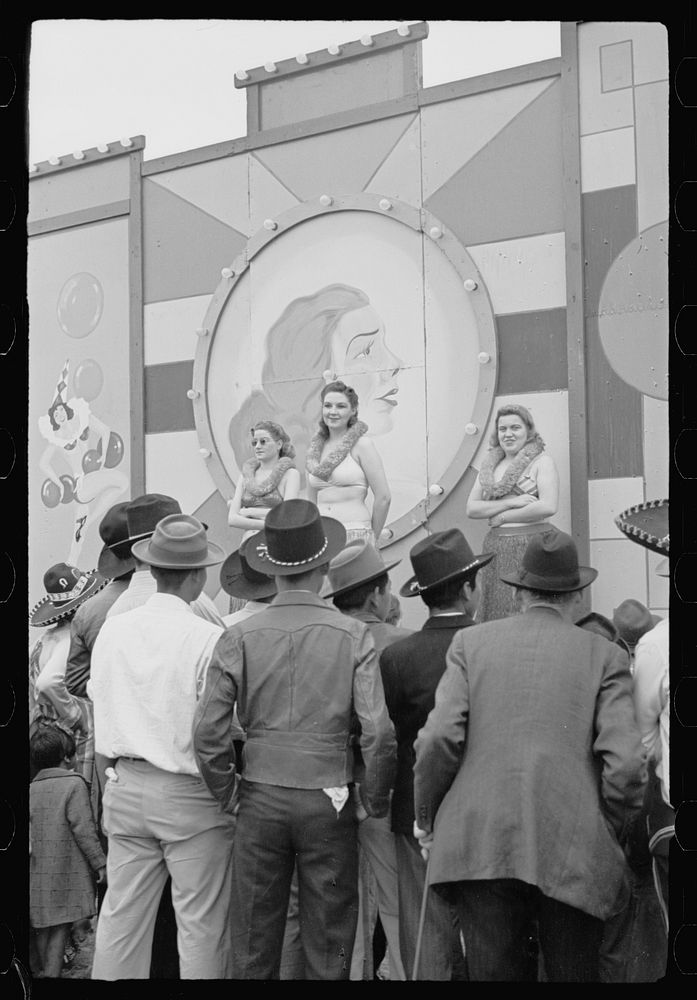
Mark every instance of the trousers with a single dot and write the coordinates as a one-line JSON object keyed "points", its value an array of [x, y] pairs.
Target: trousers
{"points": [[377, 842], [496, 916], [159, 823], [279, 828]]}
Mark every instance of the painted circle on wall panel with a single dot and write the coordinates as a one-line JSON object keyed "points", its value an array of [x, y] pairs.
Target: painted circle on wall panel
{"points": [[89, 379], [353, 293], [633, 312], [80, 305]]}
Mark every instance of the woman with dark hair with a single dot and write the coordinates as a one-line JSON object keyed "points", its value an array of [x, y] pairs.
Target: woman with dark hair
{"points": [[342, 464], [266, 479], [517, 490], [333, 330]]}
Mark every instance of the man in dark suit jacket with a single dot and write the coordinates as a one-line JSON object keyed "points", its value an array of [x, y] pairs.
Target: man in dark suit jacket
{"points": [[528, 772], [445, 578]]}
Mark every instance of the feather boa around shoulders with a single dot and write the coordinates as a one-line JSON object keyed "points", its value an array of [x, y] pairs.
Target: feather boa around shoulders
{"points": [[268, 485], [494, 490], [324, 469]]}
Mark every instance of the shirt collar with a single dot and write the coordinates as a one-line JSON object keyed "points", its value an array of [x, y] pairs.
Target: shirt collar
{"points": [[169, 602]]}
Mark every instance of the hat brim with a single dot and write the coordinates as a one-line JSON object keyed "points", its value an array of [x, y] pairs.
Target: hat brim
{"points": [[256, 556], [647, 524], [215, 555], [113, 566], [46, 613], [234, 582], [359, 583], [586, 575], [412, 589]]}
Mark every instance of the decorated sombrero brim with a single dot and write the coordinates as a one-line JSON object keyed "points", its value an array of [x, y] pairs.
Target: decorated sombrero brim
{"points": [[647, 523], [48, 611]]}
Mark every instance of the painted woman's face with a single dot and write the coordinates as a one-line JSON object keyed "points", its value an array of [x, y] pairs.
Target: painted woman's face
{"points": [[59, 415], [362, 359], [513, 433], [336, 411]]}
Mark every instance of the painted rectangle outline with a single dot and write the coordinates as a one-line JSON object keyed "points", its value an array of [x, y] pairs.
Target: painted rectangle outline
{"points": [[613, 90]]}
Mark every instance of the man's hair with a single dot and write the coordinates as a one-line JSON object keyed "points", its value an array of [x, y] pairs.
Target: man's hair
{"points": [[298, 578], [170, 577], [48, 745], [357, 596], [549, 596], [449, 592]]}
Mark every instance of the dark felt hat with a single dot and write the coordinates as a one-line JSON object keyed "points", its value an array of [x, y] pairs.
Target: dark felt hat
{"points": [[239, 579], [443, 556], [295, 539], [550, 562], [115, 558]]}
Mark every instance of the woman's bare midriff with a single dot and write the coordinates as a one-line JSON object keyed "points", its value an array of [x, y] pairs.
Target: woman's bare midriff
{"points": [[345, 503]]}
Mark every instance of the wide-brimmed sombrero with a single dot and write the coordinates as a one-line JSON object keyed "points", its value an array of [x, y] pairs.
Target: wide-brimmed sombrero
{"points": [[66, 588], [647, 523]]}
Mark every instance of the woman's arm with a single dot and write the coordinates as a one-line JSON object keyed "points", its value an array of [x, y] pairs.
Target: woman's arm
{"points": [[547, 503], [46, 465], [104, 434], [289, 486], [371, 463], [479, 508], [235, 518]]}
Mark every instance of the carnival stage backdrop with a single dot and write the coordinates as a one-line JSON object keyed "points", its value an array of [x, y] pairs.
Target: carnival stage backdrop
{"points": [[444, 250]]}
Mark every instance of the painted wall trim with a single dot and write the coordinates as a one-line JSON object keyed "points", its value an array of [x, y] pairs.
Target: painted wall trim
{"points": [[322, 57], [356, 116], [91, 155], [575, 328], [285, 133], [99, 213], [135, 325], [490, 81]]}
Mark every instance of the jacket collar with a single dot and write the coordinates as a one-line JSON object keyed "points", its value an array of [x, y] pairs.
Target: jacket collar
{"points": [[54, 772], [448, 621], [290, 597]]}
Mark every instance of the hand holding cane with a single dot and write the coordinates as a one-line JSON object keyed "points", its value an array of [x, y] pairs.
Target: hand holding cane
{"points": [[423, 839]]}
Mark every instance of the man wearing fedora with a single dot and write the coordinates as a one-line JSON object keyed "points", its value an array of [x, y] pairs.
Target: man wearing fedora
{"points": [[148, 667], [359, 585], [115, 565], [445, 577], [632, 619], [297, 671], [527, 773], [142, 516]]}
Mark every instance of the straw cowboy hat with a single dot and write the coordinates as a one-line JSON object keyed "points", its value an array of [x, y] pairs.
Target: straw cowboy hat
{"points": [[632, 619], [239, 579], [295, 539], [358, 563], [66, 588], [550, 562], [443, 556], [178, 542], [647, 523]]}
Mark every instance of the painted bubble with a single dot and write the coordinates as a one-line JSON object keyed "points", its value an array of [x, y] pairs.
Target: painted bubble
{"points": [[80, 305], [50, 494], [89, 379]]}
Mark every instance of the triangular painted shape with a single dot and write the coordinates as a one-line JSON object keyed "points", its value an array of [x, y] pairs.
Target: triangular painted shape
{"points": [[513, 187], [219, 187], [452, 132], [338, 162], [399, 175], [184, 248], [267, 196]]}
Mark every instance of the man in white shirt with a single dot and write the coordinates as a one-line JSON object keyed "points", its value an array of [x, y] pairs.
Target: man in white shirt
{"points": [[142, 514], [148, 668]]}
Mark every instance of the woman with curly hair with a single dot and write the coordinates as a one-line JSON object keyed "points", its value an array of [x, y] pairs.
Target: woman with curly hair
{"points": [[267, 478]]}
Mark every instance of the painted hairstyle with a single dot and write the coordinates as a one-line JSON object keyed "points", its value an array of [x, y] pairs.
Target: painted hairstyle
{"points": [[69, 412], [511, 410], [278, 434], [298, 351], [351, 396]]}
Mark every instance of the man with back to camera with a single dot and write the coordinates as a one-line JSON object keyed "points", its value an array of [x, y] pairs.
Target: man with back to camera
{"points": [[528, 772], [297, 672], [445, 577]]}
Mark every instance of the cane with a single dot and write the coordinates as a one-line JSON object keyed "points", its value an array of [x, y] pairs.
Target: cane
{"points": [[422, 915]]}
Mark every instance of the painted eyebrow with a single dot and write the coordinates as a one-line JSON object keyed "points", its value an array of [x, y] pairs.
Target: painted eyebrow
{"points": [[367, 333]]}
